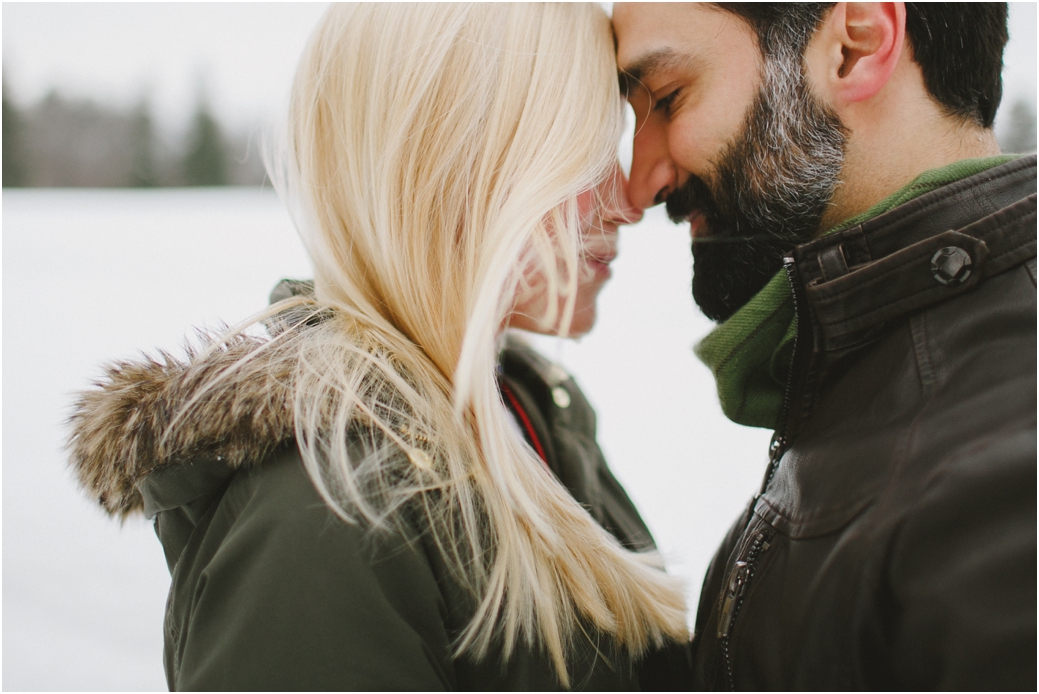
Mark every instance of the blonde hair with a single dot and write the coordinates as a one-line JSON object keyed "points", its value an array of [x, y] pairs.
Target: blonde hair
{"points": [[433, 152]]}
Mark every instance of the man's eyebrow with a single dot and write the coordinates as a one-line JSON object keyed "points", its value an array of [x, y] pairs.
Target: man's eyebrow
{"points": [[647, 65]]}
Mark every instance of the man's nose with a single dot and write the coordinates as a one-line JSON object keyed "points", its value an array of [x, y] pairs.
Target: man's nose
{"points": [[653, 174]]}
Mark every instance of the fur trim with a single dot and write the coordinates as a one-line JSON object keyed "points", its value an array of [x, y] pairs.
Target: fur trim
{"points": [[121, 429]]}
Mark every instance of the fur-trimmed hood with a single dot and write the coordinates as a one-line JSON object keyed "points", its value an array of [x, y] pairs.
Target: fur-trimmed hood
{"points": [[133, 422]]}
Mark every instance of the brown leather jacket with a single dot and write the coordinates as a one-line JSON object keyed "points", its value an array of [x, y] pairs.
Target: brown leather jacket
{"points": [[893, 544]]}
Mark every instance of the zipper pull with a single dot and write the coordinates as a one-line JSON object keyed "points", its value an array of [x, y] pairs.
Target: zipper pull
{"points": [[776, 449], [737, 579]]}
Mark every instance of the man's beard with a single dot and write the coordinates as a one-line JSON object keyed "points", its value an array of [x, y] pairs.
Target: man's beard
{"points": [[767, 193]]}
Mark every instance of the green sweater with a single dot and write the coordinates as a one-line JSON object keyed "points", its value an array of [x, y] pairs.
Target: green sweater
{"points": [[750, 353]]}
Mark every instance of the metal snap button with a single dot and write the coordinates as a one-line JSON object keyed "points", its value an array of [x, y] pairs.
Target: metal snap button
{"points": [[951, 265], [561, 397]]}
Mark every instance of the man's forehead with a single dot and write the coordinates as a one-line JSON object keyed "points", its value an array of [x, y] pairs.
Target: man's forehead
{"points": [[662, 35]]}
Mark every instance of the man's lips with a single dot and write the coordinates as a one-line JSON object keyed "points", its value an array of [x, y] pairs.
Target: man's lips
{"points": [[697, 225]]}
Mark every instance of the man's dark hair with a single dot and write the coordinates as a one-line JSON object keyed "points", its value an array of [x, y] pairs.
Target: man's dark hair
{"points": [[959, 46]]}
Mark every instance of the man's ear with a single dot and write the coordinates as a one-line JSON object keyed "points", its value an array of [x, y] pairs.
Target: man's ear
{"points": [[861, 43]]}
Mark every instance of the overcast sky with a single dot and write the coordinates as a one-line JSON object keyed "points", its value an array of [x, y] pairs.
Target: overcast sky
{"points": [[243, 54]]}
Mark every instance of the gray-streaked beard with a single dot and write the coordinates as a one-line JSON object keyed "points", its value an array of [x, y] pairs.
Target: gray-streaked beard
{"points": [[768, 190]]}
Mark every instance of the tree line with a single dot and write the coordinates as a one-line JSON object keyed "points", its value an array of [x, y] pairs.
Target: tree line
{"points": [[64, 142]]}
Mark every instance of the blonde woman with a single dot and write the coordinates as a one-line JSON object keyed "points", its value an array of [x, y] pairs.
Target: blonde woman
{"points": [[389, 491]]}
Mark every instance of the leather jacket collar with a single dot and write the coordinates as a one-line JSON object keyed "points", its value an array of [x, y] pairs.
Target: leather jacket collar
{"points": [[858, 279]]}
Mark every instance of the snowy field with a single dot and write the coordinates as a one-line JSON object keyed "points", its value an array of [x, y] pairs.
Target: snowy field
{"points": [[95, 275]]}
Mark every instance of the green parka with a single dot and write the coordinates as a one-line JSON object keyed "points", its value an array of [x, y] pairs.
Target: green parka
{"points": [[272, 591]]}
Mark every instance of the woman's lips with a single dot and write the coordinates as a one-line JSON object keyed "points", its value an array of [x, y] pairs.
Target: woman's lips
{"points": [[599, 262]]}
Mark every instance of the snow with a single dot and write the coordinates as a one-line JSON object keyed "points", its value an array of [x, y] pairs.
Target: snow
{"points": [[91, 276]]}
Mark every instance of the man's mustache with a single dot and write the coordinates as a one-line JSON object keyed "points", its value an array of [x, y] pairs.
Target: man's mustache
{"points": [[694, 195]]}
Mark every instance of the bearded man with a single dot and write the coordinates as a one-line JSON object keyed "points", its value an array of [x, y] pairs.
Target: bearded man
{"points": [[870, 257]]}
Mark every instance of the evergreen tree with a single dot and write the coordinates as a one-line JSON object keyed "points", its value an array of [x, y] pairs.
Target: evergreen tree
{"points": [[15, 164], [205, 163], [142, 148], [1019, 136]]}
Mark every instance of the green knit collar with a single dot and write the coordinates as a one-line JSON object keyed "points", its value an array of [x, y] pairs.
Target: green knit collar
{"points": [[750, 353]]}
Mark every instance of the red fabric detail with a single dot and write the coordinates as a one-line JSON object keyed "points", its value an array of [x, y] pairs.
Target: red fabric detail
{"points": [[525, 421]]}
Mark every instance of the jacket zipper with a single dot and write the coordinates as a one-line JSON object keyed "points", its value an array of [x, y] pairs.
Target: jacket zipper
{"points": [[735, 591], [743, 571], [781, 438]]}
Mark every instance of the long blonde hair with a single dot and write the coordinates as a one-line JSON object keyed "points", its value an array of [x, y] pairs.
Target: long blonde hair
{"points": [[434, 151]]}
